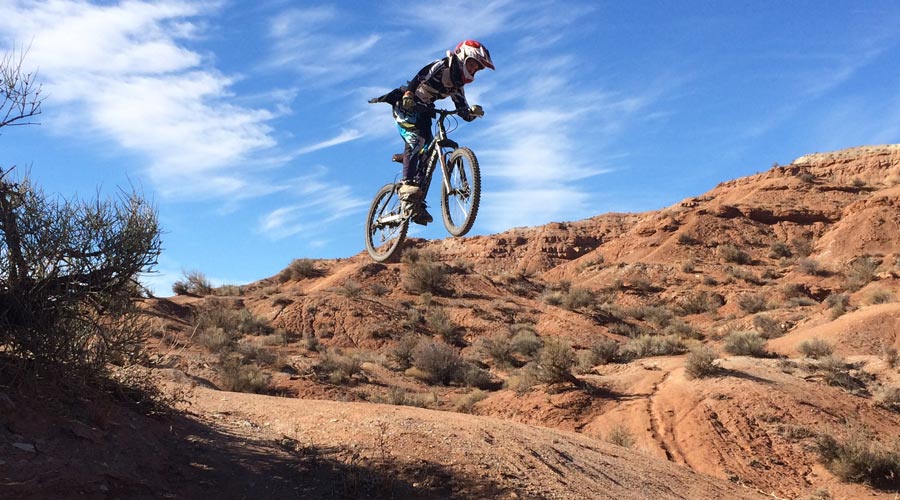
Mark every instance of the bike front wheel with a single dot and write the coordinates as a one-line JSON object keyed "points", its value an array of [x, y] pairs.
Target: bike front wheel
{"points": [[386, 225], [461, 192]]}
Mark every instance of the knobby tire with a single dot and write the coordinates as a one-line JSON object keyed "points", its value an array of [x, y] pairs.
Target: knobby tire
{"points": [[383, 242], [464, 178]]}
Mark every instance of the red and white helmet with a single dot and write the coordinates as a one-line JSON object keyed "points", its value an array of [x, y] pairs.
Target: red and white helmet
{"points": [[472, 49]]}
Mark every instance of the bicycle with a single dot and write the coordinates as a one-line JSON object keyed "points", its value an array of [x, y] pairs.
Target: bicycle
{"points": [[389, 217]]}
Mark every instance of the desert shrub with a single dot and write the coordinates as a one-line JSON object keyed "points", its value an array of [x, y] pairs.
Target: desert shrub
{"points": [[796, 432], [701, 362], [683, 330], [627, 329], [859, 459], [889, 398], [282, 301], [238, 376], [858, 182], [424, 273], [752, 303], [780, 250], [555, 362], [645, 346], [801, 301], [740, 273], [403, 351], [698, 302], [687, 240], [229, 291], [466, 402], [839, 303], [300, 269], [337, 367], [522, 380], [810, 267], [379, 290], [472, 375], [878, 296], [440, 361], [815, 348], [194, 283], [498, 348], [890, 355], [803, 247], [553, 297], [525, 341], [585, 360], [605, 351], [216, 339], [767, 327], [807, 177], [350, 289], [577, 298], [731, 253], [620, 435], [440, 323], [745, 344], [860, 272]]}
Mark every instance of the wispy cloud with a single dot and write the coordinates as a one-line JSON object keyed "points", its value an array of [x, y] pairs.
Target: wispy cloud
{"points": [[345, 136], [123, 70], [319, 202], [304, 42]]}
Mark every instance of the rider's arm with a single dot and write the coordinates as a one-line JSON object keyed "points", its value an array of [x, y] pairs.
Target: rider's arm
{"points": [[462, 105]]}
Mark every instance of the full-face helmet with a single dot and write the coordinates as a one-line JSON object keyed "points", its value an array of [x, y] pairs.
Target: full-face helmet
{"points": [[472, 50]]}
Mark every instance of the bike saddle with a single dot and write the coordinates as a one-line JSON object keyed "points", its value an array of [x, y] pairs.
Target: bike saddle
{"points": [[397, 158]]}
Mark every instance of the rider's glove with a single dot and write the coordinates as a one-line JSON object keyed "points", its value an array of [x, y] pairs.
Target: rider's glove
{"points": [[407, 102]]}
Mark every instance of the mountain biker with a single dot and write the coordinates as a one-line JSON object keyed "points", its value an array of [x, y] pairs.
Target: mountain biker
{"points": [[413, 107]]}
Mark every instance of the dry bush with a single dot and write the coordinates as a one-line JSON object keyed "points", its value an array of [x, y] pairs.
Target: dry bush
{"points": [[890, 355], [229, 291], [839, 303], [466, 402], [577, 298], [688, 266], [682, 329], [803, 247], [194, 283], [701, 362], [216, 339], [746, 344], [379, 290], [687, 240], [810, 267], [620, 435], [555, 362], [499, 348], [350, 289], [815, 348], [440, 323], [525, 340], [403, 351], [767, 327], [860, 272], [752, 303], [728, 252], [859, 459], [605, 351], [337, 367], [780, 250], [878, 296], [472, 375], [645, 346], [698, 302], [238, 376], [438, 360], [889, 398], [300, 269], [553, 297], [424, 273]]}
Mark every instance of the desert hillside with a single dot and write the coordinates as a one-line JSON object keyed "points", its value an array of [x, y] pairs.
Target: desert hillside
{"points": [[742, 343]]}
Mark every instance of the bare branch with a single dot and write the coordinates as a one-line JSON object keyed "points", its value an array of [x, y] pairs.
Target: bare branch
{"points": [[20, 95]]}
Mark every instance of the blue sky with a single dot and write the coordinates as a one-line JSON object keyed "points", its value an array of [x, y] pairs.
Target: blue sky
{"points": [[247, 122]]}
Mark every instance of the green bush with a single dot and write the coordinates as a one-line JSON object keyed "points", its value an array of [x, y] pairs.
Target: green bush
{"points": [[746, 344]]}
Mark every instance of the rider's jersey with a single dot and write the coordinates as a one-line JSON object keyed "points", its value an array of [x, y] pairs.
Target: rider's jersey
{"points": [[440, 79]]}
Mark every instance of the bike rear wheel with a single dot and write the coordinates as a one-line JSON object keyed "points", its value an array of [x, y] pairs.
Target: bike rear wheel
{"points": [[386, 225], [459, 204]]}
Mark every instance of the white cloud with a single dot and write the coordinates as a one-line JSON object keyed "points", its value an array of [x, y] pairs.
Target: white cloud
{"points": [[125, 73], [319, 203], [346, 135]]}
